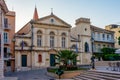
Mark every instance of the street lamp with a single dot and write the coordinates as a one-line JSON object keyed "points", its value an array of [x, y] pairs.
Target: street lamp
{"points": [[93, 57], [92, 40]]}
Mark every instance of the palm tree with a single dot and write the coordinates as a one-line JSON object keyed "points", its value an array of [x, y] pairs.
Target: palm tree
{"points": [[66, 57]]}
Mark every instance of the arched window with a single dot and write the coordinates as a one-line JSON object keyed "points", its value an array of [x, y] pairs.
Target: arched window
{"points": [[52, 34], [86, 47], [39, 58], [73, 46], [39, 38], [63, 40]]}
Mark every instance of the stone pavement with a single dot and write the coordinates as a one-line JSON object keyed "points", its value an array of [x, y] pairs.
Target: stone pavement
{"points": [[39, 74], [10, 78]]}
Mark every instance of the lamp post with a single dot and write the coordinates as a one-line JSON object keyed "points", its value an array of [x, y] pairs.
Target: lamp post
{"points": [[92, 40], [93, 57], [31, 48]]}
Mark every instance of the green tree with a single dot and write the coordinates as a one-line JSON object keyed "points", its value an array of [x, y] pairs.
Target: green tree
{"points": [[108, 53], [66, 57], [106, 50], [119, 40]]}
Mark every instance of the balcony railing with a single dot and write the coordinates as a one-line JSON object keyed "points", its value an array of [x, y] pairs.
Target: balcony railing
{"points": [[7, 42], [7, 27], [101, 40]]}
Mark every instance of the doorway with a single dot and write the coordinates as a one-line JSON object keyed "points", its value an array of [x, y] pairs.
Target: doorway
{"points": [[24, 60], [52, 59]]}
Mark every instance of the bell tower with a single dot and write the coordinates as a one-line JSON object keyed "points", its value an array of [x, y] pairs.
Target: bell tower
{"points": [[35, 15]]}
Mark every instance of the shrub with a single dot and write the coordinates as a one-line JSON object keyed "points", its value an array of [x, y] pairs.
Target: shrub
{"points": [[111, 57]]}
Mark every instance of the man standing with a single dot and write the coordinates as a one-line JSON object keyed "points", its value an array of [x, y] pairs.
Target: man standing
{"points": [[93, 61]]}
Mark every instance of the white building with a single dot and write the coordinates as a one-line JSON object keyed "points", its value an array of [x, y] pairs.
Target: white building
{"points": [[90, 39], [39, 40]]}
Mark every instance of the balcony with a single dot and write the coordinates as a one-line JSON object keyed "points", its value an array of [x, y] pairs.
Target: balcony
{"points": [[7, 56], [106, 41], [24, 48], [7, 27], [7, 42]]}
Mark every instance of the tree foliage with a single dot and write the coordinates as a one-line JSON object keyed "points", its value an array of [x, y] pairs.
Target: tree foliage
{"points": [[106, 50], [109, 54], [66, 57], [119, 40]]}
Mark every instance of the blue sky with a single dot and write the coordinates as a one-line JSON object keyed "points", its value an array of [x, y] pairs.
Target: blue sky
{"points": [[100, 12]]}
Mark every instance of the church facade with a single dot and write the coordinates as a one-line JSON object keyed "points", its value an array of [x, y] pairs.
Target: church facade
{"points": [[39, 40]]}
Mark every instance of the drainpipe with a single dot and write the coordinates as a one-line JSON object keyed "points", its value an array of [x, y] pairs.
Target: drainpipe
{"points": [[31, 49]]}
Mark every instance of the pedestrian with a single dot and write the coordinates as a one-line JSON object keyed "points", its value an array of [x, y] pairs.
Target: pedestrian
{"points": [[93, 61]]}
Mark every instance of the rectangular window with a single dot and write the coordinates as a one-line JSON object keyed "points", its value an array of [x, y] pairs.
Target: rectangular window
{"points": [[103, 36], [5, 37], [5, 52], [6, 22], [98, 36], [63, 42], [51, 41], [108, 37], [39, 40], [39, 58]]}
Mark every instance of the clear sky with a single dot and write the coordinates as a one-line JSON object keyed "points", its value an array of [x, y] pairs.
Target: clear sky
{"points": [[100, 12]]}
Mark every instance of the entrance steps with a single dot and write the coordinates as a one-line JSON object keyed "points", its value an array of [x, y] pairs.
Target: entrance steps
{"points": [[98, 75]]}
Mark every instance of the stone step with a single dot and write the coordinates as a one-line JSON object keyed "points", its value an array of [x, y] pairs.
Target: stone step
{"points": [[93, 77], [99, 77], [107, 72], [96, 75], [104, 74], [81, 78]]}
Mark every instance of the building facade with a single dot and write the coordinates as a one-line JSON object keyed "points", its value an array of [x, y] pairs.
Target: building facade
{"points": [[39, 40], [90, 39], [102, 38], [81, 37], [116, 29], [3, 11], [9, 31]]}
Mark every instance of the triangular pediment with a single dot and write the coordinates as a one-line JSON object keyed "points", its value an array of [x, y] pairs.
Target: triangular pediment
{"points": [[53, 20]]}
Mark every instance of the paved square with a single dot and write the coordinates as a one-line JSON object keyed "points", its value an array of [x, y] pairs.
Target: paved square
{"points": [[39, 74]]}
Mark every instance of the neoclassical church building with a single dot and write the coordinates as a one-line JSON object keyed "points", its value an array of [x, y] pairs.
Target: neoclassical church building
{"points": [[39, 40]]}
